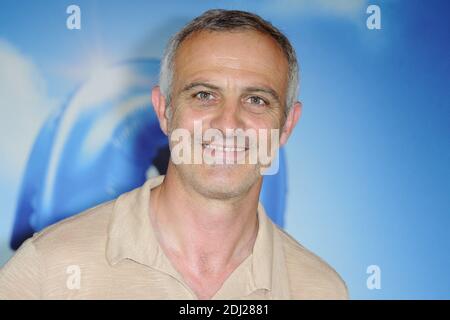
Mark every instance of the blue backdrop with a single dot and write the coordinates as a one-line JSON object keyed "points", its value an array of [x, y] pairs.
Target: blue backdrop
{"points": [[366, 171]]}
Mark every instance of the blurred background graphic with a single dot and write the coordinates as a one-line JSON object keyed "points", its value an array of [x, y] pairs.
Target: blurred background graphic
{"points": [[366, 170]]}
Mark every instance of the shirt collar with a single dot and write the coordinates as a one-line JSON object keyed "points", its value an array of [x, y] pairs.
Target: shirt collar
{"points": [[130, 233], [131, 236]]}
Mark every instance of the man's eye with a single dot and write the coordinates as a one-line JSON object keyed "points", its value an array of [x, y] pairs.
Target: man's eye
{"points": [[204, 96], [257, 100]]}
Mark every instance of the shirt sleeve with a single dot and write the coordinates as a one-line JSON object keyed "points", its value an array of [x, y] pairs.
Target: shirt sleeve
{"points": [[21, 276]]}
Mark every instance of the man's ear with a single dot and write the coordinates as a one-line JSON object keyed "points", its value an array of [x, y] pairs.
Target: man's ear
{"points": [[291, 121], [159, 104]]}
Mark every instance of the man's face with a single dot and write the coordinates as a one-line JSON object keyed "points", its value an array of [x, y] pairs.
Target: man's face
{"points": [[227, 80]]}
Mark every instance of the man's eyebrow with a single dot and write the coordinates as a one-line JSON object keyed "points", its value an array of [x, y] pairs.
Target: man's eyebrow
{"points": [[192, 85], [267, 90]]}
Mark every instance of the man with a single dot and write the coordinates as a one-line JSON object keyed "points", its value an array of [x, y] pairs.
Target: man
{"points": [[198, 232]]}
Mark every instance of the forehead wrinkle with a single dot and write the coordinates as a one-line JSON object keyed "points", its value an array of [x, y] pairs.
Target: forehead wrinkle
{"points": [[226, 77]]}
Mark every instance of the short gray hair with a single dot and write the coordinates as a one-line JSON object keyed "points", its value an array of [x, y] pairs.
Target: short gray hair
{"points": [[228, 20]]}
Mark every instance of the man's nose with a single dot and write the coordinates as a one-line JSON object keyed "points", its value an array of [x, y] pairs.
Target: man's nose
{"points": [[229, 116]]}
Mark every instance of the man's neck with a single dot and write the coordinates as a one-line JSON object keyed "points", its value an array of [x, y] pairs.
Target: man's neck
{"points": [[203, 236]]}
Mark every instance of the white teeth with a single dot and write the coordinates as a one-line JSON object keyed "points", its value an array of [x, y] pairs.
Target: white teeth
{"points": [[224, 149]]}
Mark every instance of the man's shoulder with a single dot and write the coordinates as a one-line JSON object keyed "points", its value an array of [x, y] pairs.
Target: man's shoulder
{"points": [[310, 277], [42, 261], [87, 228]]}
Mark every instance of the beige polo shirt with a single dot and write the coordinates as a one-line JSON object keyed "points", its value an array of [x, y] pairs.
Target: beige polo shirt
{"points": [[111, 252]]}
